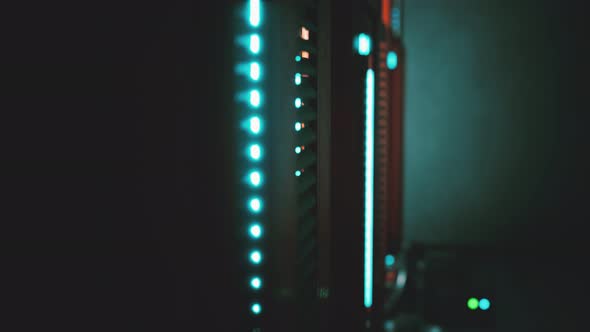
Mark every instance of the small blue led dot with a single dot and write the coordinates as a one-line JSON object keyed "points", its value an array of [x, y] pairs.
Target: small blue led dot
{"points": [[484, 304]]}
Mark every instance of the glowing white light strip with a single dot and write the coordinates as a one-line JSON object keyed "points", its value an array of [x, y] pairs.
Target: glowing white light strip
{"points": [[369, 181]]}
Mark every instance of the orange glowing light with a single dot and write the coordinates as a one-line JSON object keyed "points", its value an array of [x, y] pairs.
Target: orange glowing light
{"points": [[385, 12], [304, 33], [305, 54]]}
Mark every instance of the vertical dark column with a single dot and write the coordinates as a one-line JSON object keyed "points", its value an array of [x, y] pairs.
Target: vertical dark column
{"points": [[346, 297], [396, 79], [324, 161], [283, 223]]}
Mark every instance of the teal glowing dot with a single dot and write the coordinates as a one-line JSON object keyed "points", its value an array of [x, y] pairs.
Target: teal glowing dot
{"points": [[256, 309], [484, 304], [297, 173], [298, 58], [255, 205], [298, 102], [254, 43], [255, 231], [256, 257], [297, 79], [254, 17], [364, 44], [256, 283], [255, 98], [255, 125], [255, 178], [472, 303], [389, 260], [298, 150], [391, 60], [254, 71], [297, 126], [255, 152]]}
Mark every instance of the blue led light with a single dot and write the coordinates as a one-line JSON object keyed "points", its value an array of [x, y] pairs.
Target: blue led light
{"points": [[297, 126], [391, 60], [256, 283], [256, 308], [255, 151], [396, 19], [369, 182], [255, 178], [297, 79], [254, 17], [255, 231], [298, 58], [298, 149], [298, 102], [255, 205], [256, 257], [484, 304], [254, 43], [364, 44], [255, 125], [297, 173], [255, 98], [254, 71], [389, 260]]}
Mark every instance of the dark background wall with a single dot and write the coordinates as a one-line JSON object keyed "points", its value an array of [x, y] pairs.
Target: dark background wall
{"points": [[495, 122], [115, 151], [496, 147]]}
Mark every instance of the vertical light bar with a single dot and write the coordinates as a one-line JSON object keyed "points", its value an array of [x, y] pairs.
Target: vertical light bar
{"points": [[255, 150], [254, 13], [369, 181]]}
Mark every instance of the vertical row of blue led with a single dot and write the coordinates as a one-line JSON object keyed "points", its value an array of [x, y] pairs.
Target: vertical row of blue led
{"points": [[255, 151], [363, 44]]}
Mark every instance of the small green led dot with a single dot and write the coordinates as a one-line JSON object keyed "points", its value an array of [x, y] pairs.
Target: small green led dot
{"points": [[472, 303]]}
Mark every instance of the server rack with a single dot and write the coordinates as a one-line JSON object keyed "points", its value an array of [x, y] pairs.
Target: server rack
{"points": [[315, 144]]}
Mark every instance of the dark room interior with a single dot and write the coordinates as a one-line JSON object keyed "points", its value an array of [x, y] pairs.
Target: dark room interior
{"points": [[284, 165]]}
